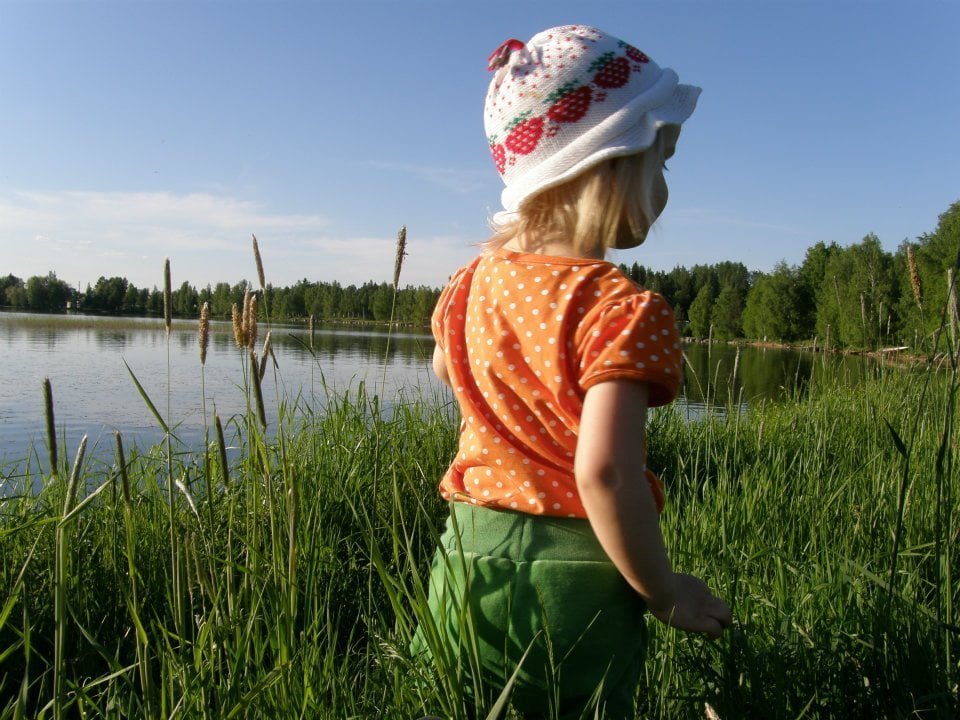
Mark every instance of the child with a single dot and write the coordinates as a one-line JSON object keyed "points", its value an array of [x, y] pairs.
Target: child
{"points": [[554, 547]]}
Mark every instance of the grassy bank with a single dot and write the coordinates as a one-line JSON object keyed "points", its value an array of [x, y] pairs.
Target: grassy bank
{"points": [[287, 584]]}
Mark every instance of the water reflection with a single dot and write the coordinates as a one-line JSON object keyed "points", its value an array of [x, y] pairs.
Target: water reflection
{"points": [[94, 393], [718, 377], [86, 361]]}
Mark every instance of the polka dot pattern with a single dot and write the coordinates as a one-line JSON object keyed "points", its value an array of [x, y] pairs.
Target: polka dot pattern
{"points": [[524, 337]]}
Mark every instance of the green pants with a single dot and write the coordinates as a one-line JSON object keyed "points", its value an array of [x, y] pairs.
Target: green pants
{"points": [[504, 583]]}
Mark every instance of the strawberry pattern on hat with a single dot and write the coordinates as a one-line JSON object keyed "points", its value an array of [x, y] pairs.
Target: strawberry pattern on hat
{"points": [[569, 98], [570, 101]]}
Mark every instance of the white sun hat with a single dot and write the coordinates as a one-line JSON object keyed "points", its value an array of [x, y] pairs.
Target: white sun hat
{"points": [[570, 98]]}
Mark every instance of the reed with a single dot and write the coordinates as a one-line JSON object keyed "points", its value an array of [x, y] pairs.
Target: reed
{"points": [[401, 253], [259, 262], [238, 334], [50, 425], [203, 332], [795, 529], [293, 586], [914, 276], [167, 296], [250, 320]]}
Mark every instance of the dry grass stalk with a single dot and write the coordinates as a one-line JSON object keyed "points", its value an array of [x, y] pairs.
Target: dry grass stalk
{"points": [[51, 425], [312, 324], [167, 296], [204, 332], [256, 256], [401, 254], [238, 335], [914, 276]]}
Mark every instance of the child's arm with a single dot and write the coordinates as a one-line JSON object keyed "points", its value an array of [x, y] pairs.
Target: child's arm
{"points": [[440, 365], [614, 490]]}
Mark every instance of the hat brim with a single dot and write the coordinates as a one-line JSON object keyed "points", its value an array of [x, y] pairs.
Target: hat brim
{"points": [[631, 129]]}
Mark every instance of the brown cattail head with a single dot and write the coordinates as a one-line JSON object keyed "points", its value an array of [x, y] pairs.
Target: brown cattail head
{"points": [[250, 322], [221, 449], [914, 276], [401, 254], [51, 425], [204, 332], [167, 296], [238, 335], [256, 256]]}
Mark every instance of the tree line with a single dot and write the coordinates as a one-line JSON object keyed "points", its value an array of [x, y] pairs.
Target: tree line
{"points": [[328, 301], [858, 296]]}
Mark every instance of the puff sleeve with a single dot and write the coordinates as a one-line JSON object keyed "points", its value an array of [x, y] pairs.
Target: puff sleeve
{"points": [[633, 337]]}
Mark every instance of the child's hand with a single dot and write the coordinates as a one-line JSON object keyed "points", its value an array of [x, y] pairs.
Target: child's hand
{"points": [[695, 608]]}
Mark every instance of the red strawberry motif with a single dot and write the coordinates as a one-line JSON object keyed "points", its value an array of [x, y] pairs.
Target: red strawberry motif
{"points": [[499, 157], [569, 105], [613, 74], [636, 55], [525, 135]]}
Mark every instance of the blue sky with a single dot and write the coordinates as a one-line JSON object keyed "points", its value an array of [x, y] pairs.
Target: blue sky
{"points": [[131, 131]]}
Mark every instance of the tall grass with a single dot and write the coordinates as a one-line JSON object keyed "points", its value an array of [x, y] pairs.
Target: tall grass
{"points": [[286, 576]]}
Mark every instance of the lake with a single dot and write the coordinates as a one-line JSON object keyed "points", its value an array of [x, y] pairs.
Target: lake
{"points": [[94, 394]]}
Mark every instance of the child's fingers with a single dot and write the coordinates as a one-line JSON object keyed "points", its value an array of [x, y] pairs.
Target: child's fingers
{"points": [[719, 610]]}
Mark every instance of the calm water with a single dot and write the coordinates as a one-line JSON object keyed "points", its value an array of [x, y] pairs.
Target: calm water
{"points": [[94, 393]]}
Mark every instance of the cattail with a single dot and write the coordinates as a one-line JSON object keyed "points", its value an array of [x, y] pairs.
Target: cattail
{"points": [[267, 350], [401, 254], [204, 332], [167, 296], [914, 276], [51, 425], [250, 322], [256, 256], [222, 449], [257, 391], [238, 335], [313, 327]]}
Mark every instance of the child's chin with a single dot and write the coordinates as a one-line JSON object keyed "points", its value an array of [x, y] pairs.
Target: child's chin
{"points": [[626, 243]]}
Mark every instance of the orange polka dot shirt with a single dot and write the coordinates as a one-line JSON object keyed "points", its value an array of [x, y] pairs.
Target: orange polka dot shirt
{"points": [[524, 337]]}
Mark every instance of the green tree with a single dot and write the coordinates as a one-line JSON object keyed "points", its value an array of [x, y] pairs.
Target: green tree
{"points": [[811, 277], [858, 289], [107, 295], [185, 300], [726, 313], [131, 300], [8, 287], [935, 253], [772, 309], [700, 310], [47, 293]]}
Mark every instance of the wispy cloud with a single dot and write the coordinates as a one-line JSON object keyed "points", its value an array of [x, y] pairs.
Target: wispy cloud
{"points": [[82, 235]]}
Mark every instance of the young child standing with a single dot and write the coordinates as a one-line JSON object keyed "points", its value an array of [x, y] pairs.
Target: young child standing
{"points": [[554, 356]]}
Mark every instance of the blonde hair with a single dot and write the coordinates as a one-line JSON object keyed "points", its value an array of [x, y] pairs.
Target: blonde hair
{"points": [[611, 205]]}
